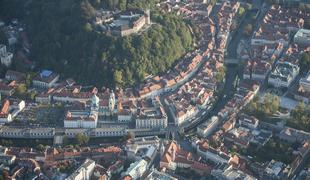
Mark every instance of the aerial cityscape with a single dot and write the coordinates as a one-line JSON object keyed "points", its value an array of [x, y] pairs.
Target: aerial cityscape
{"points": [[155, 89]]}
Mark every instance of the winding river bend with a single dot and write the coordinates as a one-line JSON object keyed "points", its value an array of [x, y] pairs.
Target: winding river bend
{"points": [[234, 70]]}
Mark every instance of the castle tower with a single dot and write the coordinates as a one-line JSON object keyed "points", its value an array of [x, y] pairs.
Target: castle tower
{"points": [[111, 102]]}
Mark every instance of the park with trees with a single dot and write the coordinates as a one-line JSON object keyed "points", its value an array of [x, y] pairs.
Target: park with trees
{"points": [[269, 105], [300, 117], [265, 108]]}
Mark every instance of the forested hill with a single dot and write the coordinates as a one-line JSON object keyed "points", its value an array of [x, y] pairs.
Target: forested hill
{"points": [[63, 40]]}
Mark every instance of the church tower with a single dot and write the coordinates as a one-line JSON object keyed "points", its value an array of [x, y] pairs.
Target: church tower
{"points": [[95, 103], [111, 102], [162, 148]]}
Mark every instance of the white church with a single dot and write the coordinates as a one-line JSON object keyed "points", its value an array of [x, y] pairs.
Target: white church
{"points": [[88, 117]]}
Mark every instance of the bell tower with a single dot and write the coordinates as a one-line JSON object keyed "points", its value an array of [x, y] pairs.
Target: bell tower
{"points": [[111, 102], [95, 102]]}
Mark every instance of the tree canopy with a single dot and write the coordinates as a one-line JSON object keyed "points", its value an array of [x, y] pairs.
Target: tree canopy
{"points": [[3, 38], [300, 117], [304, 62], [261, 110], [82, 139]]}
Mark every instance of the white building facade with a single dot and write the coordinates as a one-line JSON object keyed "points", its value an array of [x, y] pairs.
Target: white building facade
{"points": [[302, 37], [6, 57], [136, 169], [84, 172], [208, 127], [283, 75]]}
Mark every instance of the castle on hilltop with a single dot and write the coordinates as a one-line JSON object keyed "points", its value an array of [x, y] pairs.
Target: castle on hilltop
{"points": [[124, 23]]}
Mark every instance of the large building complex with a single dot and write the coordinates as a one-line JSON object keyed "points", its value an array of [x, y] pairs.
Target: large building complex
{"points": [[146, 113], [45, 79], [124, 23], [208, 127], [152, 115], [85, 118], [283, 74]]}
